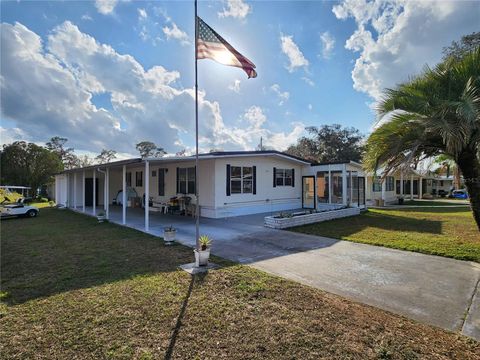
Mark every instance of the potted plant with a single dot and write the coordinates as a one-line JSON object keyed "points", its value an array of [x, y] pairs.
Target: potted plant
{"points": [[201, 256], [101, 216], [169, 234], [400, 200]]}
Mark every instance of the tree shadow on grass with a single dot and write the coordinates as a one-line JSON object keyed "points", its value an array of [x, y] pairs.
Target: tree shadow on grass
{"points": [[345, 227], [61, 251]]}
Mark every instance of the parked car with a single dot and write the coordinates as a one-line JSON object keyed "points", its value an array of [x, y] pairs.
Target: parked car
{"points": [[442, 193], [18, 209], [460, 194]]}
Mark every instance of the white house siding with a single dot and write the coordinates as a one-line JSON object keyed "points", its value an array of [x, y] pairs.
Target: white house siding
{"points": [[61, 189], [267, 197], [214, 201], [371, 196]]}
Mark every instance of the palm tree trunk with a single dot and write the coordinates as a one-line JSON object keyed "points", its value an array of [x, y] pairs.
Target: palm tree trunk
{"points": [[470, 167]]}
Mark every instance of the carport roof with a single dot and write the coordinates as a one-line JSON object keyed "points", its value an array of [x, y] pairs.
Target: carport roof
{"points": [[212, 155]]}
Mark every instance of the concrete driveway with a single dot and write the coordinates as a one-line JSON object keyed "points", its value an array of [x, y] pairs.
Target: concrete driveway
{"points": [[431, 289]]}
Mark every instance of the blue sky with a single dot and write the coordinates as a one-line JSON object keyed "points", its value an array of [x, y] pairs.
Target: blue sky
{"points": [[108, 74]]}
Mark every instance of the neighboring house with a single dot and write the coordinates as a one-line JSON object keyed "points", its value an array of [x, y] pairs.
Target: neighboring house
{"points": [[230, 184], [416, 184]]}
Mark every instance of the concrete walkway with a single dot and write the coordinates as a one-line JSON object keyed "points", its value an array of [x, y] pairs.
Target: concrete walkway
{"points": [[435, 290]]}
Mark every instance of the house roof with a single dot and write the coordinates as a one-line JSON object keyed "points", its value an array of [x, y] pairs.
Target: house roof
{"points": [[337, 163], [255, 152], [205, 156]]}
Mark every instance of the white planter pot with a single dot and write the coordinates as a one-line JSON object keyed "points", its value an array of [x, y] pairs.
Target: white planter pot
{"points": [[169, 236], [101, 218], [201, 257]]}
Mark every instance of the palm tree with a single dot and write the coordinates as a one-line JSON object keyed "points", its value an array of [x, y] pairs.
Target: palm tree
{"points": [[436, 113]]}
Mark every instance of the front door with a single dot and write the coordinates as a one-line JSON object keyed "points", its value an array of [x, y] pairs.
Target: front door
{"points": [[308, 192], [89, 191]]}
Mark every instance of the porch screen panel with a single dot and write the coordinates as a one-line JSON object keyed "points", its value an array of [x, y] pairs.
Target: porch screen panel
{"points": [[337, 187], [322, 187], [355, 193]]}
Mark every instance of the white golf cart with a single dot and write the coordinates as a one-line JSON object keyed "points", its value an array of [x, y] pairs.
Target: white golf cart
{"points": [[18, 209]]}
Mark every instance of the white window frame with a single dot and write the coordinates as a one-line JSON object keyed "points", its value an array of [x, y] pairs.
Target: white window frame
{"points": [[188, 171], [283, 177], [243, 180]]}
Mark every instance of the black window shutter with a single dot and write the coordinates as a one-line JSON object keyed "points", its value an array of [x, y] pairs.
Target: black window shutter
{"points": [[274, 177], [254, 186], [293, 177], [228, 180], [178, 187]]}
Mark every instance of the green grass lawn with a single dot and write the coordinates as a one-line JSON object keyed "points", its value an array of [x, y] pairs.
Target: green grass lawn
{"points": [[76, 289], [439, 202], [449, 232]]}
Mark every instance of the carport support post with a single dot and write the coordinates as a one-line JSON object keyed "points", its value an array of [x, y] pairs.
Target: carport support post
{"points": [[411, 187], [147, 194], [383, 190], [401, 184], [94, 207], [83, 190], [124, 195], [329, 185], [344, 184], [420, 188], [75, 190], [107, 193], [67, 201]]}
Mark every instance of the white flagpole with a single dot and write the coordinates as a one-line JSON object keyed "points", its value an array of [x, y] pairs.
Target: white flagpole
{"points": [[197, 206]]}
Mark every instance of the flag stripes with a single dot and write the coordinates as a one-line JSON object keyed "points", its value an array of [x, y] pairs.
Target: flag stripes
{"points": [[210, 45]]}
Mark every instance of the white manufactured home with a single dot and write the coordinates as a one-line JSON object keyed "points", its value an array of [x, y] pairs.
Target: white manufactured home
{"points": [[229, 183]]}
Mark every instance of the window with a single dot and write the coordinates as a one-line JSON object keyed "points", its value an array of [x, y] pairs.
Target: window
{"points": [[138, 178], [186, 180], [154, 173], [377, 185], [283, 177], [241, 179], [129, 179], [389, 183]]}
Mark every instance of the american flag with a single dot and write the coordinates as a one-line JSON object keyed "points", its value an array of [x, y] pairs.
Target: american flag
{"points": [[210, 45]]}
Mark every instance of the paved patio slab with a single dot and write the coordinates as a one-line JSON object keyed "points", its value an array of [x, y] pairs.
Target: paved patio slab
{"points": [[431, 289]]}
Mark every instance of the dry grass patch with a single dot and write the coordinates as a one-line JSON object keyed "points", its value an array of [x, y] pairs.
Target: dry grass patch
{"points": [[75, 289]]}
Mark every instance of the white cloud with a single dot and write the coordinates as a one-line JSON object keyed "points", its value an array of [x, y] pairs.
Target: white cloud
{"points": [[395, 39], [282, 95], [142, 14], [235, 87], [48, 89], [248, 137], [86, 17], [308, 81], [174, 32], [295, 56], [235, 8], [105, 7], [328, 43], [8, 136], [310, 107]]}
